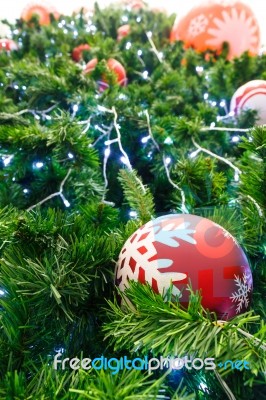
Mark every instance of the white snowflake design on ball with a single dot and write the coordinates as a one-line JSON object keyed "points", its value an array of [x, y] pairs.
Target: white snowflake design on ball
{"points": [[241, 296], [228, 26], [139, 249], [198, 25]]}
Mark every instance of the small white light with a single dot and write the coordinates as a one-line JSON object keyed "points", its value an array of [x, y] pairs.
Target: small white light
{"points": [[66, 203], [145, 74], [205, 96], [138, 19], [65, 31], [145, 139], [149, 34], [75, 107], [168, 160], [194, 153], [75, 33], [63, 22], [123, 160], [72, 22], [60, 25], [199, 69], [235, 139], [133, 214], [7, 160], [124, 18], [70, 155], [107, 152], [37, 117], [160, 54], [13, 179], [2, 292], [16, 87], [139, 53], [128, 45], [212, 125], [48, 117], [222, 103], [203, 386], [236, 177], [24, 87], [150, 154], [16, 31], [213, 103], [122, 96], [93, 28], [88, 29], [231, 114], [168, 140], [39, 164], [25, 190]]}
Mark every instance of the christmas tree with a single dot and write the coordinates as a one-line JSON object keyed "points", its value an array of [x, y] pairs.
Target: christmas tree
{"points": [[87, 156]]}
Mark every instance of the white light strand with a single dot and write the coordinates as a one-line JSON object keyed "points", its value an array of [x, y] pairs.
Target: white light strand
{"points": [[156, 52], [166, 163], [223, 129], [237, 170], [59, 193], [37, 113]]}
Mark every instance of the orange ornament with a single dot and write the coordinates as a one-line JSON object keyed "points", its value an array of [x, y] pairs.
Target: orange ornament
{"points": [[113, 65], [123, 31], [42, 10], [213, 22]]}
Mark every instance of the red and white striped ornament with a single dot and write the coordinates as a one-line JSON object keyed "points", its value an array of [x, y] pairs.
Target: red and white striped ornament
{"points": [[252, 95], [114, 66], [183, 248], [8, 45]]}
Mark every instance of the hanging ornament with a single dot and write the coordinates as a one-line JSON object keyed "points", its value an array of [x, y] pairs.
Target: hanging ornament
{"points": [[77, 53], [8, 45], [41, 9], [183, 248], [123, 31], [113, 65], [213, 22], [252, 95]]}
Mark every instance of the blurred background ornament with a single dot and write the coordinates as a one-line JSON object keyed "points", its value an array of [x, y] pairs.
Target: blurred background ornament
{"points": [[213, 22], [42, 9], [8, 44], [113, 65]]}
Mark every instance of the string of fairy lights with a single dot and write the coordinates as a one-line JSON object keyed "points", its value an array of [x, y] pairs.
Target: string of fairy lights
{"points": [[105, 131]]}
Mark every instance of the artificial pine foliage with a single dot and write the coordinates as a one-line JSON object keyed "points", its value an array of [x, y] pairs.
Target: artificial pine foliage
{"points": [[81, 169]]}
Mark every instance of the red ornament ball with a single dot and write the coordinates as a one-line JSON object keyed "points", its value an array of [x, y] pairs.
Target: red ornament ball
{"points": [[183, 248], [8, 45], [77, 53], [123, 31], [213, 22], [252, 95], [113, 65], [41, 9]]}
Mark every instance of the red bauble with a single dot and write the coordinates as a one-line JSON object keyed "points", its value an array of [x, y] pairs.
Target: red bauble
{"points": [[112, 65], [213, 22], [183, 248], [41, 9], [252, 95], [123, 31], [77, 52], [8, 45]]}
